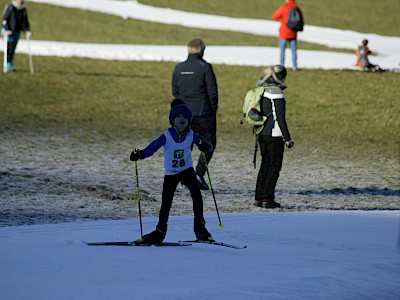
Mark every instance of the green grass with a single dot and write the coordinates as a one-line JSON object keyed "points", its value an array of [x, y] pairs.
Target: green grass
{"points": [[361, 15], [91, 27], [341, 113]]}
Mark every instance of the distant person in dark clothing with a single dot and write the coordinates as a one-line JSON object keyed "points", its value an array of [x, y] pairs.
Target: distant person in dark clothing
{"points": [[15, 20], [194, 82]]}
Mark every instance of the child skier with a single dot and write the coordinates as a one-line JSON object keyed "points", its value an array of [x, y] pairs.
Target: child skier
{"points": [[177, 142]]}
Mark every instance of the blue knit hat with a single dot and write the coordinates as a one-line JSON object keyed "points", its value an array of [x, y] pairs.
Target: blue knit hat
{"points": [[178, 106]]}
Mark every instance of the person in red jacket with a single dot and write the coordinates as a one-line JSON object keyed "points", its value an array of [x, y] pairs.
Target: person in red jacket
{"points": [[287, 35]]}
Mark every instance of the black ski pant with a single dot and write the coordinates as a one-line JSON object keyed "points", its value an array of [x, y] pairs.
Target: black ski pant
{"points": [[272, 149], [188, 178], [12, 42], [207, 127]]}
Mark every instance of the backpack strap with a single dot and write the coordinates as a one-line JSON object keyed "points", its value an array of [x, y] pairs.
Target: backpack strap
{"points": [[258, 129], [255, 152]]}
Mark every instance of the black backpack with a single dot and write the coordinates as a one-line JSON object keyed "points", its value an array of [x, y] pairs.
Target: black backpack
{"points": [[295, 20]]}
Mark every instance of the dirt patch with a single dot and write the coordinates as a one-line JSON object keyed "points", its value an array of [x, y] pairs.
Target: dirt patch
{"points": [[56, 178]]}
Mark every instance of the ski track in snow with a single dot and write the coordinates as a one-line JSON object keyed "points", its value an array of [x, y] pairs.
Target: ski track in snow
{"points": [[326, 255]]}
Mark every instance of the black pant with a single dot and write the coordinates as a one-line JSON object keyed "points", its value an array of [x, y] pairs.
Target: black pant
{"points": [[207, 127], [272, 149], [188, 177], [12, 42]]}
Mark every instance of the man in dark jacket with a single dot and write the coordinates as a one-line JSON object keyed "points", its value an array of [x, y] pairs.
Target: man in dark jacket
{"points": [[15, 20], [194, 82]]}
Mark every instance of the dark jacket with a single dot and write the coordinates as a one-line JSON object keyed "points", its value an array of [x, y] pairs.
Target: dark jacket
{"points": [[276, 110], [194, 82], [17, 19]]}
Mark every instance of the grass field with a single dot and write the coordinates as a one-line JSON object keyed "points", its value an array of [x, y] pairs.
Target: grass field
{"points": [[337, 111], [363, 16]]}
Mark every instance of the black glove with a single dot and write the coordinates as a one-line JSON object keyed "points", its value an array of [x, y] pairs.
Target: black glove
{"points": [[136, 155], [204, 146], [289, 144]]}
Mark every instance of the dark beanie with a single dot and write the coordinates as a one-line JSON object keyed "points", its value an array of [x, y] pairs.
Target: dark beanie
{"points": [[178, 106]]}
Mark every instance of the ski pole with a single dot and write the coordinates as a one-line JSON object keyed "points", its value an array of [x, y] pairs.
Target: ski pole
{"points": [[30, 54], [5, 41], [138, 198], [212, 189]]}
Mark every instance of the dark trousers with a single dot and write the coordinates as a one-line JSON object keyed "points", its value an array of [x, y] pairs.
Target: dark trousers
{"points": [[188, 177], [12, 42], [272, 149], [207, 127]]}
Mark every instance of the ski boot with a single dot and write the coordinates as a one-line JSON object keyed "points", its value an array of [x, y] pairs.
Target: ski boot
{"points": [[201, 232], [153, 238], [266, 203]]}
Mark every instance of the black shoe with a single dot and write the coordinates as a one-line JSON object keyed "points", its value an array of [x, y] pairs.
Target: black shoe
{"points": [[201, 232], [265, 203], [206, 236], [154, 237], [202, 183], [278, 205], [258, 203]]}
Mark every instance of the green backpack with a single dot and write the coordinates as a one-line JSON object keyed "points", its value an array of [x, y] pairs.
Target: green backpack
{"points": [[252, 113], [251, 107]]}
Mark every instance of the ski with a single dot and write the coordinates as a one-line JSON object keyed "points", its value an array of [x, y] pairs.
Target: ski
{"points": [[163, 244], [215, 243]]}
